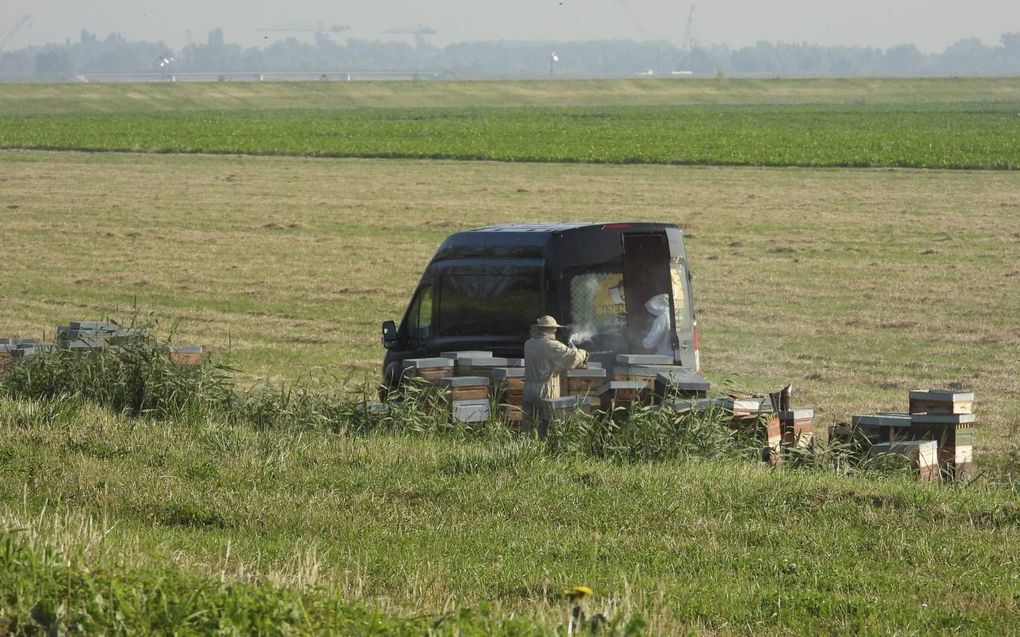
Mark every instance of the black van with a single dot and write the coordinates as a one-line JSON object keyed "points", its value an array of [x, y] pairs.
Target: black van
{"points": [[609, 282]]}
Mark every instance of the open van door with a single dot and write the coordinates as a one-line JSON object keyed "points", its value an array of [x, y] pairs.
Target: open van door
{"points": [[646, 279]]}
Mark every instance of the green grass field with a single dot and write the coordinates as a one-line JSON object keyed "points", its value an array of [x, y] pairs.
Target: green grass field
{"points": [[746, 122], [854, 284]]}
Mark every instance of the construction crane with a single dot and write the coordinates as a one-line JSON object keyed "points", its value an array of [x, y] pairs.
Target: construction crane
{"points": [[14, 30], [419, 31], [319, 28], [633, 18], [689, 42]]}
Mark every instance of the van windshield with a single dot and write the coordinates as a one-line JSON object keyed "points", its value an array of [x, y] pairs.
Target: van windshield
{"points": [[496, 302]]}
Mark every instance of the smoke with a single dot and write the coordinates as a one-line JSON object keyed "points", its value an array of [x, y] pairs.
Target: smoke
{"points": [[581, 336]]}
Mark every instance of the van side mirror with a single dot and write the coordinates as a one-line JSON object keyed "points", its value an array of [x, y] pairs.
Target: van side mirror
{"points": [[389, 335]]}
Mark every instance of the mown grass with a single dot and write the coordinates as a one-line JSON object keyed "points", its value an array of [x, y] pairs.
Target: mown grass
{"points": [[204, 517], [856, 286], [967, 135], [166, 97]]}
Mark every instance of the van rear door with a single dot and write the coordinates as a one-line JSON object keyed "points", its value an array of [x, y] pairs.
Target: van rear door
{"points": [[656, 284], [645, 277]]}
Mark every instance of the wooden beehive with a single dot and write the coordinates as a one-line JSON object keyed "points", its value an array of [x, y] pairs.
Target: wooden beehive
{"points": [[626, 360], [882, 427], [465, 354], [797, 428], [479, 365], [941, 401], [679, 384], [565, 407], [643, 373], [954, 435], [188, 355], [623, 393], [465, 387], [508, 388], [428, 369], [582, 382], [922, 455]]}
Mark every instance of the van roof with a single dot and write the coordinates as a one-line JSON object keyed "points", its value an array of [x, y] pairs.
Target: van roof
{"points": [[563, 226], [532, 240]]}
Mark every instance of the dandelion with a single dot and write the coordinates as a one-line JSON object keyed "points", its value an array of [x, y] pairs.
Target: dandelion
{"points": [[576, 595], [578, 592]]}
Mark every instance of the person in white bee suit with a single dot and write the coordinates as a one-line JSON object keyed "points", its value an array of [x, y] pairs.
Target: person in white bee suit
{"points": [[545, 359], [659, 337]]}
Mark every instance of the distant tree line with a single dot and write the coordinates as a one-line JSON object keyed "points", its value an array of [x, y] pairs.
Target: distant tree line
{"points": [[606, 58]]}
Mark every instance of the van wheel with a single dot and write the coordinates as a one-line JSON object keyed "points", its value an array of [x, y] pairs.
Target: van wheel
{"points": [[391, 381]]}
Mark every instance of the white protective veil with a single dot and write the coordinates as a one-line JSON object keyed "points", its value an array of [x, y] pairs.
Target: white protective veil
{"points": [[658, 337]]}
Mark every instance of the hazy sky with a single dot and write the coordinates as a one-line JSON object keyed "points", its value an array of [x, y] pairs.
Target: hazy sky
{"points": [[930, 24]]}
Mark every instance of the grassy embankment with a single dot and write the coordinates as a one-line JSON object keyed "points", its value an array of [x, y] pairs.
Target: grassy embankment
{"points": [[855, 285]]}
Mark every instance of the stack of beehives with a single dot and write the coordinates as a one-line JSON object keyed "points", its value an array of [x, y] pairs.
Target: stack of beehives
{"points": [[466, 382], [87, 336], [936, 434], [12, 349], [508, 388], [648, 378], [91, 335], [755, 415]]}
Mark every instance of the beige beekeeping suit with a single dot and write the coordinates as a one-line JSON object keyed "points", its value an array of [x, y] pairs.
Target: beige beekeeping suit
{"points": [[545, 359]]}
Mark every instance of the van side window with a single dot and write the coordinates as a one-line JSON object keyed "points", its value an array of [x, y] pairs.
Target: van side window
{"points": [[501, 301], [419, 318]]}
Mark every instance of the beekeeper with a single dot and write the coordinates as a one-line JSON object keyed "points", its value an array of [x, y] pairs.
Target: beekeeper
{"points": [[659, 337], [545, 359]]}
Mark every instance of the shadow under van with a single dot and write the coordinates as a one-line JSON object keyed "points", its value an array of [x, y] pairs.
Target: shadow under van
{"points": [[608, 282]]}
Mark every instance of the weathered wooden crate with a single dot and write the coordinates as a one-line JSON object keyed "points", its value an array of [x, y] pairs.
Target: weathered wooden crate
{"points": [[941, 401], [797, 428], [679, 384], [465, 387], [582, 382], [623, 393], [922, 455], [429, 369]]}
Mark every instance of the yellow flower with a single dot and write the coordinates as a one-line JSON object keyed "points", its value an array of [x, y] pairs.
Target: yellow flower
{"points": [[577, 592]]}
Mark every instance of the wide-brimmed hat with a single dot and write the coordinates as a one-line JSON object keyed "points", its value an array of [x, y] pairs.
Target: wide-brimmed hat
{"points": [[547, 321]]}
